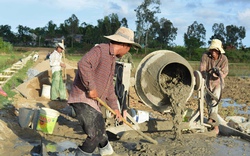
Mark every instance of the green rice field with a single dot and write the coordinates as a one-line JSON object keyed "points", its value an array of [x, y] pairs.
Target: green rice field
{"points": [[235, 69]]}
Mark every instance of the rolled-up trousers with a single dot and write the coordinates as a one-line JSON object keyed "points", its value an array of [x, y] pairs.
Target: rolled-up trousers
{"points": [[216, 91], [93, 124], [58, 89]]}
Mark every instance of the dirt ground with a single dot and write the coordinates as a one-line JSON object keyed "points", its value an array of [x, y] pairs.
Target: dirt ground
{"points": [[67, 134]]}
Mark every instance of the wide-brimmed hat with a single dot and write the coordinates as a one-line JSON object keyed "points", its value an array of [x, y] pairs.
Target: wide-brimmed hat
{"points": [[124, 35], [60, 45], [216, 44]]}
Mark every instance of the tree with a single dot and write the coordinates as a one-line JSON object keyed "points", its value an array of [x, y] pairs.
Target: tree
{"points": [[23, 35], [219, 33], [72, 26], [114, 22], [91, 33], [62, 30], [166, 32], [124, 22], [145, 14], [6, 33], [231, 36], [108, 25], [104, 26], [51, 29], [234, 35], [195, 37], [40, 32]]}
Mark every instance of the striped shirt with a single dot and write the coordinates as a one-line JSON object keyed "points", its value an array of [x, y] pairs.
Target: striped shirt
{"points": [[95, 71]]}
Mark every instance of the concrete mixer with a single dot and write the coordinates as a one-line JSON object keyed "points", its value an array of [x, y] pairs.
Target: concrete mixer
{"points": [[161, 71], [162, 77], [164, 71]]}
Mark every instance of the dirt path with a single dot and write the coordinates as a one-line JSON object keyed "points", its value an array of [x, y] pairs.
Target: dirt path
{"points": [[67, 134]]}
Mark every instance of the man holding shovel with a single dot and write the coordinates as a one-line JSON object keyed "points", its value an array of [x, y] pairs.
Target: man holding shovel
{"points": [[58, 89], [94, 79]]}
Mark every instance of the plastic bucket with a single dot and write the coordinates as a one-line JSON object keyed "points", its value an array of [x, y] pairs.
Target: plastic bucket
{"points": [[139, 115], [47, 120], [46, 91]]}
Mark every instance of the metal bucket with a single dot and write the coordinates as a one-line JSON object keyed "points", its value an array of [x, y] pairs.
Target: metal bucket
{"points": [[150, 85], [28, 117], [25, 117]]}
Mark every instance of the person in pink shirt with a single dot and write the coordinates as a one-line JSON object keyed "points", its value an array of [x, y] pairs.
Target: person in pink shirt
{"points": [[214, 69], [2, 92]]}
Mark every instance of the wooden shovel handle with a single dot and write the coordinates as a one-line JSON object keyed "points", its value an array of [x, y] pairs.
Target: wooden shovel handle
{"points": [[63, 53]]}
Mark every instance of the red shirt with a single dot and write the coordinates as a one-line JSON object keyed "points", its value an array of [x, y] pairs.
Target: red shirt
{"points": [[95, 71]]}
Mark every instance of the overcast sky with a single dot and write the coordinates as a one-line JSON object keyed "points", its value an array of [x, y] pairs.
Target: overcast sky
{"points": [[182, 13]]}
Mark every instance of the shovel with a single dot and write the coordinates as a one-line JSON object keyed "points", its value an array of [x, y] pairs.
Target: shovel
{"points": [[65, 73], [63, 52], [126, 122]]}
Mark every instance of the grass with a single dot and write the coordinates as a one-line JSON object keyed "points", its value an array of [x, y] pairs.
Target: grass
{"points": [[6, 60], [15, 80], [74, 57], [235, 69], [239, 69]]}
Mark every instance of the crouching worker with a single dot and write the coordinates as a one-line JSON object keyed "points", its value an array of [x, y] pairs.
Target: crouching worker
{"points": [[93, 79], [214, 68]]}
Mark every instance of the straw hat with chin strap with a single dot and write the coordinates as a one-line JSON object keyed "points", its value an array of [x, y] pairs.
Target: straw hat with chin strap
{"points": [[124, 35], [216, 44]]}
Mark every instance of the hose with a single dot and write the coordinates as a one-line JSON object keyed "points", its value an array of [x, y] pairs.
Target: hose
{"points": [[120, 88], [215, 71]]}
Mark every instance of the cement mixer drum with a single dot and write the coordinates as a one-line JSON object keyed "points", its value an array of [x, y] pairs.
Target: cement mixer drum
{"points": [[160, 73]]}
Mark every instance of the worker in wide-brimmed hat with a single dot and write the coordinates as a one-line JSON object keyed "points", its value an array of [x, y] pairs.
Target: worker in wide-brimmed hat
{"points": [[214, 68], [58, 89], [93, 79]]}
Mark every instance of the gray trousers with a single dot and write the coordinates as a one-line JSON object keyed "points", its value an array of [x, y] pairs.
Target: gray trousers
{"points": [[93, 125], [210, 101]]}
